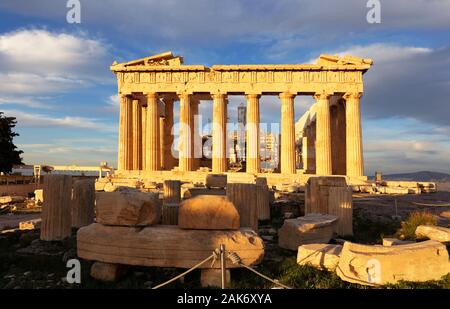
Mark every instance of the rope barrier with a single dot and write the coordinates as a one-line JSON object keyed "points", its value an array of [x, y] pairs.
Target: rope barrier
{"points": [[233, 257], [185, 273]]}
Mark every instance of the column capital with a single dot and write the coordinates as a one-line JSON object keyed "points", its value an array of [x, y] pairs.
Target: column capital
{"points": [[253, 95], [323, 95], [352, 95], [286, 95], [219, 95], [152, 95]]}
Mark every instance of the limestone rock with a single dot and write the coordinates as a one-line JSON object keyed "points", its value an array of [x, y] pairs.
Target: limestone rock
{"points": [[105, 271], [208, 212], [128, 208], [262, 198], [213, 278], [216, 181], [30, 225], [110, 187], [83, 201], [395, 242], [172, 191], [323, 256], [441, 234], [39, 195], [165, 245], [100, 186], [11, 199], [310, 229], [371, 265], [243, 196], [56, 209]]}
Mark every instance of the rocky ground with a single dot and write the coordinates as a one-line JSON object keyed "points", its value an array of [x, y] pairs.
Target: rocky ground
{"points": [[27, 262]]}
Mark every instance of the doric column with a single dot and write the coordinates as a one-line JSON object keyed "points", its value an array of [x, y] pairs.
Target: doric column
{"points": [[287, 134], [185, 148], [152, 159], [219, 134], [252, 157], [125, 122], [162, 125], [144, 136], [137, 135], [323, 135], [355, 163], [168, 136], [338, 139], [196, 142]]}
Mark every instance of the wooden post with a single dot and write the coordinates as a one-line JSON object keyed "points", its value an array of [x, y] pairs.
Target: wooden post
{"points": [[56, 209]]}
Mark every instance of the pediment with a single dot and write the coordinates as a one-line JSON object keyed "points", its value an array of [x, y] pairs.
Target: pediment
{"points": [[162, 59]]}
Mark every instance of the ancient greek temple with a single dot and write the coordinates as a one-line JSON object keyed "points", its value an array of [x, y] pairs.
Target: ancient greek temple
{"points": [[326, 140]]}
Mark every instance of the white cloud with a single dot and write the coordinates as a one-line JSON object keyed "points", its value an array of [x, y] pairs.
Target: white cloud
{"points": [[36, 120], [40, 61]]}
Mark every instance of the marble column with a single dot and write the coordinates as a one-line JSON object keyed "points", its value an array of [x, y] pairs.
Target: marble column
{"points": [[152, 159], [162, 125], [310, 149], [196, 142], [287, 134], [219, 134], [341, 164], [143, 135], [323, 135], [185, 145], [125, 122], [252, 157], [355, 163], [169, 163], [137, 135]]}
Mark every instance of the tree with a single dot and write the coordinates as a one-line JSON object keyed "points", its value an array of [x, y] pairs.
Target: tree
{"points": [[9, 155]]}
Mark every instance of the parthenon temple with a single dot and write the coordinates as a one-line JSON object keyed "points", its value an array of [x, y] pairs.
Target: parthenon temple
{"points": [[326, 140]]}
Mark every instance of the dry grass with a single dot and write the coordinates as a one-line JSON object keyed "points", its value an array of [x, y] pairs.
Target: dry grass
{"points": [[416, 218]]}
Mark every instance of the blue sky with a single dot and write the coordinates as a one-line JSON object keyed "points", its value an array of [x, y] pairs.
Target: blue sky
{"points": [[55, 78]]}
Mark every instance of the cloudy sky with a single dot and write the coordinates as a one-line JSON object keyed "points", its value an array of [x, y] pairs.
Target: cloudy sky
{"points": [[55, 78]]}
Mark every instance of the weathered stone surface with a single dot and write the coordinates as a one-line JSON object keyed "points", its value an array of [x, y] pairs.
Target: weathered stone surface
{"points": [[56, 209], [106, 271], [323, 256], [371, 265], [216, 181], [110, 187], [310, 229], [395, 242], [213, 278], [11, 199], [193, 192], [208, 212], [30, 224], [317, 192], [262, 198], [83, 201], [128, 208], [165, 246], [340, 204], [439, 233], [243, 196], [100, 186]]}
